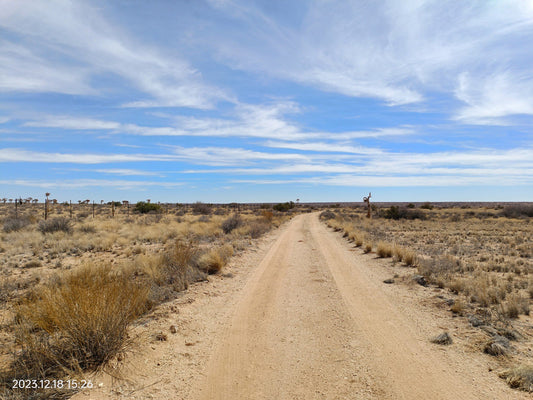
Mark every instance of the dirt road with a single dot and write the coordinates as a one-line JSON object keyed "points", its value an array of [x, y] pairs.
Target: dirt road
{"points": [[305, 316], [311, 324]]}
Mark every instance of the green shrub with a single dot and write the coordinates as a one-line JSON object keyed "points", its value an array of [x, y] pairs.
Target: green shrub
{"points": [[284, 206], [144, 208], [396, 212]]}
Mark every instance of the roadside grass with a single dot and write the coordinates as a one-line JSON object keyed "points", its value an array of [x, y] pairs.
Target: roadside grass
{"points": [[71, 318], [482, 257]]}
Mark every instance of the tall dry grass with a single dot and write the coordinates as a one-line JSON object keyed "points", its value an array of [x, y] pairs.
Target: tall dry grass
{"points": [[78, 323]]}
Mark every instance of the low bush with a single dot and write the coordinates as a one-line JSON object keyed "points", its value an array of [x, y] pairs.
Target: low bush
{"points": [[144, 208], [327, 215], [258, 228], [284, 206], [518, 210], [58, 224], [201, 208], [79, 323], [520, 377], [15, 224], [427, 206], [231, 223], [396, 213], [214, 260]]}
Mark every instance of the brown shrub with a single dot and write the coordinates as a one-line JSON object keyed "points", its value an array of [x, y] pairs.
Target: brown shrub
{"points": [[267, 215], [520, 377], [79, 323], [257, 229], [214, 260]]}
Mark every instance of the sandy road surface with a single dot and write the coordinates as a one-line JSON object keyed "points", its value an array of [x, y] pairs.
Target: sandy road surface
{"points": [[311, 325], [304, 317]]}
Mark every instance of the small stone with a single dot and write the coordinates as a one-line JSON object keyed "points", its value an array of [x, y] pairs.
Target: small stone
{"points": [[173, 329], [388, 281], [420, 280], [444, 339], [474, 321], [161, 337]]}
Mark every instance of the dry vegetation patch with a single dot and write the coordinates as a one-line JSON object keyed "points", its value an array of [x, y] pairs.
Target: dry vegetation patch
{"points": [[481, 256], [71, 285]]}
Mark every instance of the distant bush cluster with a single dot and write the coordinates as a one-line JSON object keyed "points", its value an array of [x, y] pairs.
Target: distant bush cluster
{"points": [[284, 206], [396, 212], [59, 224], [201, 208], [327, 215], [517, 211], [144, 208]]}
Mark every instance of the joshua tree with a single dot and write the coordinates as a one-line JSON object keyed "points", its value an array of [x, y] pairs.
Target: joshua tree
{"points": [[4, 200], [46, 206], [148, 200], [11, 200], [367, 201]]}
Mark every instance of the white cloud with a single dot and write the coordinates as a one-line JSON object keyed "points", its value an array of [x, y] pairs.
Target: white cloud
{"points": [[67, 122], [83, 183], [324, 147], [126, 172], [397, 51], [66, 45], [21, 155], [490, 98], [253, 121], [230, 156]]}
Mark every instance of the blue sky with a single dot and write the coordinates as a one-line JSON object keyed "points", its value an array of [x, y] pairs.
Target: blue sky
{"points": [[266, 101]]}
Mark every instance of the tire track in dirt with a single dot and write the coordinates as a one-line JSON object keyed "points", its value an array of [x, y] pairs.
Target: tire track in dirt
{"points": [[310, 324]]}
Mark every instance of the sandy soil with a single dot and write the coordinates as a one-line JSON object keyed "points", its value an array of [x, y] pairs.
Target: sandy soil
{"points": [[301, 316]]}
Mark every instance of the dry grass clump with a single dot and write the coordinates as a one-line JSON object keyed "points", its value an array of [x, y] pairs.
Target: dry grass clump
{"points": [[78, 323], [58, 224], [514, 306], [384, 250], [402, 254], [215, 259], [267, 215], [368, 248], [520, 377], [88, 228]]}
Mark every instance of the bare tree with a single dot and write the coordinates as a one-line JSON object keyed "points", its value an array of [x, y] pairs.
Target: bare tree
{"points": [[367, 201]]}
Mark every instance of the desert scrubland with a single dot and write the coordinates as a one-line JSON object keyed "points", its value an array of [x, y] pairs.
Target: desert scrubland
{"points": [[421, 300], [477, 261], [72, 285]]}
